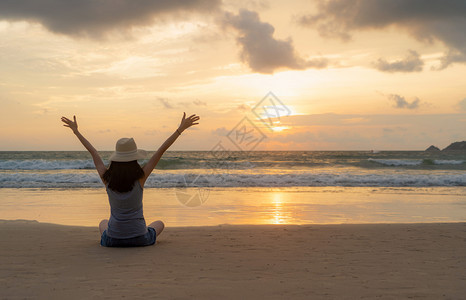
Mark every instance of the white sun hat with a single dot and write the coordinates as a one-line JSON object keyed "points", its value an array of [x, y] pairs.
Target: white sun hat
{"points": [[126, 150]]}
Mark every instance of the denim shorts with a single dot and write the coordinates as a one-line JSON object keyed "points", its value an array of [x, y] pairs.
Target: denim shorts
{"points": [[142, 240]]}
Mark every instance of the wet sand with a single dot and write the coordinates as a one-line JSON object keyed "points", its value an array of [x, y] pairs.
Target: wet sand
{"points": [[372, 261], [238, 206]]}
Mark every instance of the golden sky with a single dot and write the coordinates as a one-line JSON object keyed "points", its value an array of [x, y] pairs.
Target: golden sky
{"points": [[353, 74]]}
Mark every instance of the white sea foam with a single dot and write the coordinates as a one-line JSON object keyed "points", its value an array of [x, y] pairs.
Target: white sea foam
{"points": [[397, 162], [168, 180], [448, 162], [43, 164], [187, 164], [415, 162]]}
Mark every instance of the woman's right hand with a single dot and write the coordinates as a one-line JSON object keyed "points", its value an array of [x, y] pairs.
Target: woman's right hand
{"points": [[188, 122]]}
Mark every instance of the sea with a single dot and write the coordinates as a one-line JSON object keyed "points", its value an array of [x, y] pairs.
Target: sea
{"points": [[75, 169], [199, 188]]}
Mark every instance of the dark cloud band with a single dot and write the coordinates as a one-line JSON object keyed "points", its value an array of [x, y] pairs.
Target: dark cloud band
{"points": [[426, 20], [95, 18]]}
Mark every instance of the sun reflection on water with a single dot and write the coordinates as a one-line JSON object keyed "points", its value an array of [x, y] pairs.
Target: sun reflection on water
{"points": [[278, 213]]}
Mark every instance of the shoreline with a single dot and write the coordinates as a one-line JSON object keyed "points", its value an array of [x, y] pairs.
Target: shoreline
{"points": [[346, 261], [330, 205], [31, 222]]}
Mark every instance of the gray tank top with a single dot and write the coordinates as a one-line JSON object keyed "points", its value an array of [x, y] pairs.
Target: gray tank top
{"points": [[126, 216]]}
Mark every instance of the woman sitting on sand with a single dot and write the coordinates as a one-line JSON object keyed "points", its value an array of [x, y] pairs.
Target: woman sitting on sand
{"points": [[124, 180]]}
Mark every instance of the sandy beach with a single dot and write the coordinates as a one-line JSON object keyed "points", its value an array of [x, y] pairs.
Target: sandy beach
{"points": [[383, 261]]}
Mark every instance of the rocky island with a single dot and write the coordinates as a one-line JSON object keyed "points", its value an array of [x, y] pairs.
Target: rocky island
{"points": [[456, 146], [432, 148]]}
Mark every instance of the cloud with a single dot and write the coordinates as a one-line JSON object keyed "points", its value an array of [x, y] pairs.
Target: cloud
{"points": [[425, 20], [221, 131], [165, 103], [199, 103], [411, 63], [373, 120], [243, 107], [95, 18], [105, 131], [462, 104], [396, 129], [408, 131], [260, 50], [152, 132], [400, 102], [354, 120]]}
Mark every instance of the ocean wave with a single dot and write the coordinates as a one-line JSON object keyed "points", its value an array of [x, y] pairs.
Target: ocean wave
{"points": [[59, 180], [169, 180], [83, 164], [243, 161], [396, 162], [448, 162], [45, 164], [415, 162]]}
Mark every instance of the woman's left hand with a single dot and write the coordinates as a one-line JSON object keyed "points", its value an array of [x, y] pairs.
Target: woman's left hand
{"points": [[70, 124]]}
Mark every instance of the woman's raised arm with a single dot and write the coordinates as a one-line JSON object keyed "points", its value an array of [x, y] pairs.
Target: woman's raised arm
{"points": [[185, 123], [99, 164]]}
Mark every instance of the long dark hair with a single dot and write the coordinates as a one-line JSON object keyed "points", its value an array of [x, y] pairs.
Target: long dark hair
{"points": [[121, 176]]}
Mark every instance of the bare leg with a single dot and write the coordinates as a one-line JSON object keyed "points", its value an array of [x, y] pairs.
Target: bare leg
{"points": [[158, 226], [103, 226]]}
